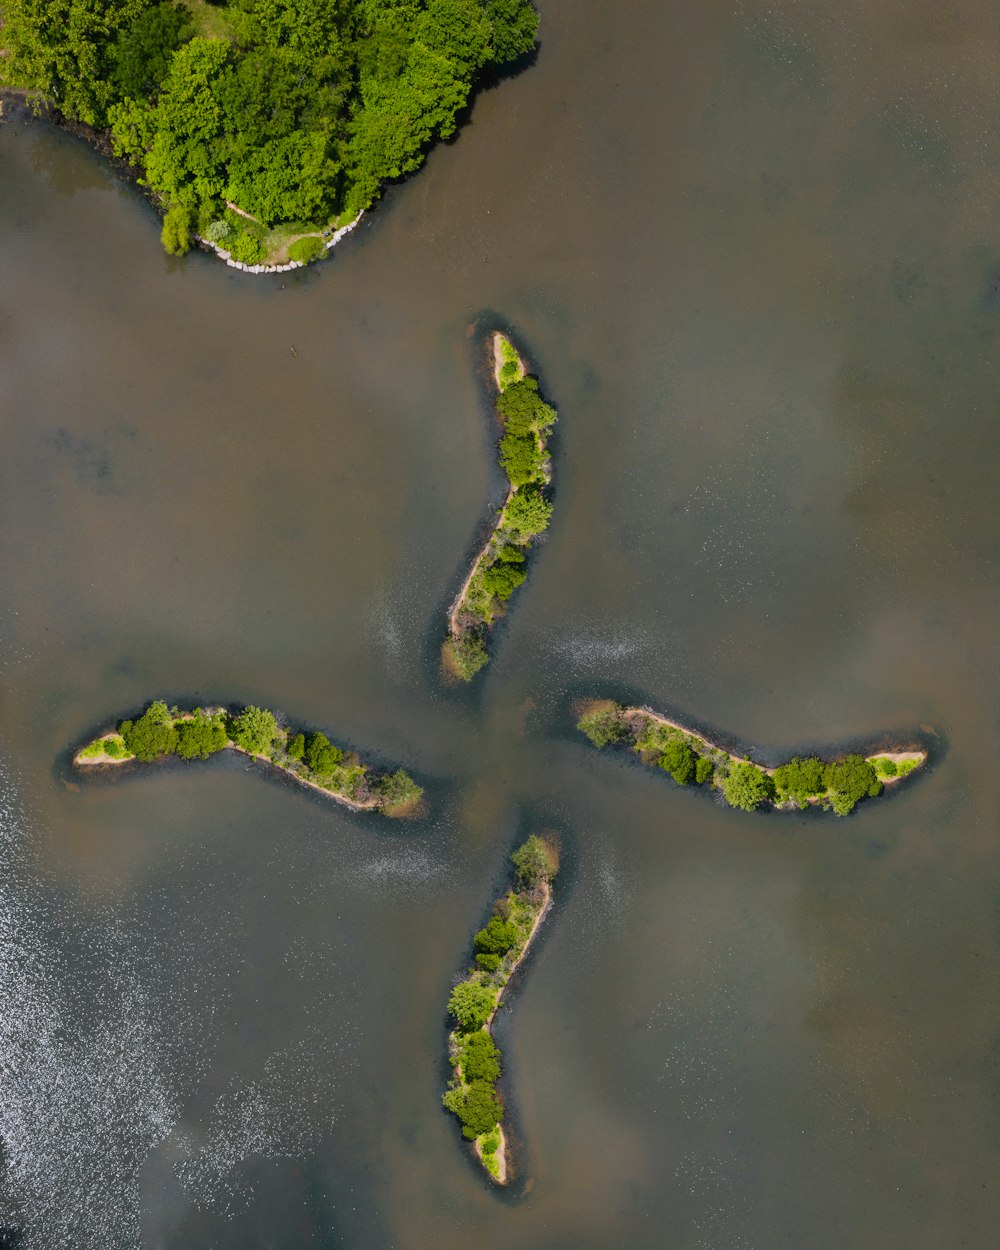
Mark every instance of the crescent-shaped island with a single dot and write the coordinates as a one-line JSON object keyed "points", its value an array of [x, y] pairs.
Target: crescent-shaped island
{"points": [[309, 758], [499, 566], [690, 758], [501, 947]]}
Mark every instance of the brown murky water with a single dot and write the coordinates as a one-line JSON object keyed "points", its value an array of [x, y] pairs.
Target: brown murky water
{"points": [[754, 251]]}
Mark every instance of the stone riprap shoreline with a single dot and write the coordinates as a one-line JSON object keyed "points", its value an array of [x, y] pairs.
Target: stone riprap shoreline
{"points": [[338, 235]]}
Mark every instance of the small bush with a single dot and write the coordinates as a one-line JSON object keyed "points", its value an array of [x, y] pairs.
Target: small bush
{"points": [[218, 231], [531, 862], [490, 1143], [510, 371], [468, 655], [307, 249], [321, 755], [176, 233], [398, 789], [247, 248], [703, 769], [501, 580], [603, 724], [678, 761], [510, 554], [497, 938], [886, 768], [296, 747], [488, 963], [93, 750]]}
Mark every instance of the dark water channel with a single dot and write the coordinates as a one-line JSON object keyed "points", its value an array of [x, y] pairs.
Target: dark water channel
{"points": [[755, 250]]}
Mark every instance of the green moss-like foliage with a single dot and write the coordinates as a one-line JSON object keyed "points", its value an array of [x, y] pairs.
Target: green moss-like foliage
{"points": [[489, 963], [295, 747], [307, 249], [703, 769], [747, 786]]}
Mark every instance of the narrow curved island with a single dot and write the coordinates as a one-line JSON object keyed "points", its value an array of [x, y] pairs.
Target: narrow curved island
{"points": [[500, 949], [690, 758], [308, 758], [499, 567]]}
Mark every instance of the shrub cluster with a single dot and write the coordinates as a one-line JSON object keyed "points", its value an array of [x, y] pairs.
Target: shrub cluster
{"points": [[475, 1057]]}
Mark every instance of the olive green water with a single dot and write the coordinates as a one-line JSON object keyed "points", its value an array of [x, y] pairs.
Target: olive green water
{"points": [[754, 251]]}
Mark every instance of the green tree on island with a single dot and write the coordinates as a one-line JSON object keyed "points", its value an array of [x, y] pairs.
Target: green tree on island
{"points": [[747, 786], [254, 729], [152, 734], [471, 1004]]}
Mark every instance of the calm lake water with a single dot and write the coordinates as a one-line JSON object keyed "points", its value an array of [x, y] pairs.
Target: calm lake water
{"points": [[754, 252]]}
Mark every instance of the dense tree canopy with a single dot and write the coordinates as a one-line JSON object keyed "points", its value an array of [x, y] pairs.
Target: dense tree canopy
{"points": [[290, 111]]}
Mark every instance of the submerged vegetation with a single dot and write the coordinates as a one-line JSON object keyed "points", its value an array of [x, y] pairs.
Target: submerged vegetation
{"points": [[499, 568], [690, 759], [499, 946], [308, 757], [255, 122]]}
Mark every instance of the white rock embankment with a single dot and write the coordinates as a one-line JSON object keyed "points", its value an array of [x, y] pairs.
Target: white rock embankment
{"points": [[332, 241]]}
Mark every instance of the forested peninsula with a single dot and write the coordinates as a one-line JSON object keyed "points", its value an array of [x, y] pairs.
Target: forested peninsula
{"points": [[499, 566], [262, 127], [836, 785], [309, 758], [500, 949]]}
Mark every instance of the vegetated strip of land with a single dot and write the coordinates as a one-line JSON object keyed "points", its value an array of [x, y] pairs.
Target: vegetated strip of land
{"points": [[498, 568], [260, 126], [691, 759], [500, 947], [311, 759]]}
